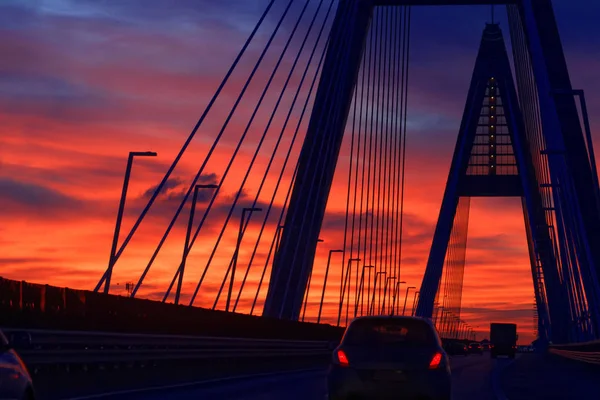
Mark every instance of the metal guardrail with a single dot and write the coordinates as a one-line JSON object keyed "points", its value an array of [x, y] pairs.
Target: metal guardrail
{"points": [[68, 347], [588, 352], [592, 357]]}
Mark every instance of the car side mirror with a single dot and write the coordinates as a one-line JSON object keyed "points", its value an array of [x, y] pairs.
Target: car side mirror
{"points": [[20, 340]]}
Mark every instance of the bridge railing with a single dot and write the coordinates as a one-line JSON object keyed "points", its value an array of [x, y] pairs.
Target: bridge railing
{"points": [[33, 306], [585, 352], [46, 347]]}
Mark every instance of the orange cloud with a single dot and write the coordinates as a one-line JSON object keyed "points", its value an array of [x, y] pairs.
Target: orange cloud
{"points": [[79, 92]]}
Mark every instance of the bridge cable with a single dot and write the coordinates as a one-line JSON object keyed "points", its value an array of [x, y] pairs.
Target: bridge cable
{"points": [[185, 146], [369, 208], [356, 174], [379, 241], [395, 157], [240, 191], [351, 12], [329, 150], [399, 85], [209, 208], [245, 133], [353, 136], [277, 271], [376, 160], [388, 172], [388, 165], [294, 137], [369, 67], [406, 56], [210, 152]]}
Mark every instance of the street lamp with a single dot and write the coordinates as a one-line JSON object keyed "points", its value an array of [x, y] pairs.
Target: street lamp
{"points": [[113, 248], [249, 210], [406, 297], [385, 291], [446, 317], [308, 287], [437, 311], [343, 288], [186, 249], [415, 302], [396, 292], [325, 282], [455, 326], [361, 296], [377, 274]]}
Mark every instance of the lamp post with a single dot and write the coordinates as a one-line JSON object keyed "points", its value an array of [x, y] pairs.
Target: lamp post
{"points": [[445, 315], [437, 311], [385, 291], [325, 282], [377, 274], [343, 287], [396, 292], [456, 326], [249, 210], [451, 324], [113, 248], [186, 250], [361, 296], [308, 287], [406, 297], [415, 302]]}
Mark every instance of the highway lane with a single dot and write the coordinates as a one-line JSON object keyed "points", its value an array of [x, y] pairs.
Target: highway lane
{"points": [[549, 377], [473, 378]]}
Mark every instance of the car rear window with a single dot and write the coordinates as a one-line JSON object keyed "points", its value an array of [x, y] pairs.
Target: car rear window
{"points": [[376, 331]]}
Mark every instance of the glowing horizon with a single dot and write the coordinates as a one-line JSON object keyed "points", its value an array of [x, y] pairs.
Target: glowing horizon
{"points": [[81, 85]]}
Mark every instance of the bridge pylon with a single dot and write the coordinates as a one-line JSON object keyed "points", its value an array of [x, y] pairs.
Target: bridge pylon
{"points": [[553, 171], [498, 154]]}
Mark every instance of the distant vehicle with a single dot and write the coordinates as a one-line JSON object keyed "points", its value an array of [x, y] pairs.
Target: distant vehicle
{"points": [[503, 338], [456, 349], [379, 355], [15, 381], [476, 348], [485, 346]]}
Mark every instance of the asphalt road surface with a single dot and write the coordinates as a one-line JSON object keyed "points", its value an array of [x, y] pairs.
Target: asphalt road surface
{"points": [[474, 378]]}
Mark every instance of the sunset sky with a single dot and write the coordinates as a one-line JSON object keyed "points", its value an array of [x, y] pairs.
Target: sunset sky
{"points": [[83, 82]]}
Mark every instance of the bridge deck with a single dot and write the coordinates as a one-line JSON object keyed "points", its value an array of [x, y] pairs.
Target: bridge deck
{"points": [[530, 376]]}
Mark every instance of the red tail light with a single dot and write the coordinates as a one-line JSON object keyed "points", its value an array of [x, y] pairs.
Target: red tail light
{"points": [[342, 358], [435, 361]]}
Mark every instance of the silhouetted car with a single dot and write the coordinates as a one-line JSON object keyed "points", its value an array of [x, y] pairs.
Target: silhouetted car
{"points": [[381, 356], [476, 348], [456, 349], [15, 381]]}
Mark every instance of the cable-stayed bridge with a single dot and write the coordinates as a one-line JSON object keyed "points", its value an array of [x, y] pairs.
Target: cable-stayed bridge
{"points": [[308, 128]]}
